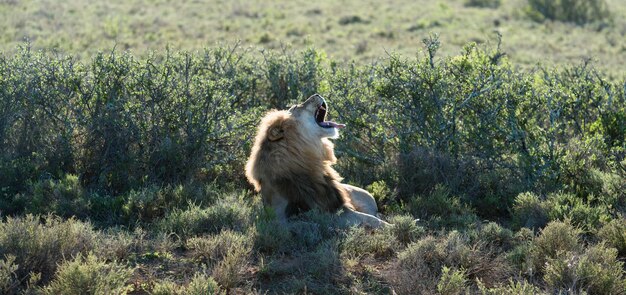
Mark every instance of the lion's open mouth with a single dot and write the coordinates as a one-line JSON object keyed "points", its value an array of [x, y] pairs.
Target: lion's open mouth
{"points": [[320, 118]]}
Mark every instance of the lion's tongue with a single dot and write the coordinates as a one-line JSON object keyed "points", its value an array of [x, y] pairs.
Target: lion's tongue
{"points": [[330, 124]]}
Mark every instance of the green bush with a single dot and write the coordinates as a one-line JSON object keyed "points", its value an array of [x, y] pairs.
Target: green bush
{"points": [[614, 235], [452, 281], [118, 244], [442, 209], [8, 276], [419, 266], [227, 254], [107, 146], [600, 271], [318, 268], [147, 203], [521, 259], [272, 236], [575, 11], [64, 197], [596, 271], [213, 249], [581, 213], [421, 253], [486, 264], [578, 161], [380, 191], [496, 236], [483, 3], [405, 229], [560, 272], [90, 275], [613, 192], [228, 272], [520, 256], [358, 242], [40, 246], [529, 211], [151, 202], [200, 284], [289, 78], [302, 233], [513, 288], [558, 238], [308, 233], [166, 287]]}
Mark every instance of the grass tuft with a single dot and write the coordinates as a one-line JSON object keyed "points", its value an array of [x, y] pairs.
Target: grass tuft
{"points": [[231, 212], [91, 275]]}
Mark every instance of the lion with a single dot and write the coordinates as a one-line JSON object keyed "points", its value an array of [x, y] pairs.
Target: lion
{"points": [[290, 165]]}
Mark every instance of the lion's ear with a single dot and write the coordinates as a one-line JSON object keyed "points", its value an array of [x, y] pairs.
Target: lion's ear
{"points": [[275, 133]]}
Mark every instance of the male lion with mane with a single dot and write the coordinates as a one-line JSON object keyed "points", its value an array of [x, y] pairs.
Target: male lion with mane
{"points": [[290, 165]]}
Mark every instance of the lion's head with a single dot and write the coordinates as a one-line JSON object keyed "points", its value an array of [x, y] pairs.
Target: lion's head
{"points": [[311, 116], [306, 120], [291, 158]]}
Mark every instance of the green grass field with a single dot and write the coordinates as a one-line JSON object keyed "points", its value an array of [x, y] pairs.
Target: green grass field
{"points": [[123, 142], [347, 30]]}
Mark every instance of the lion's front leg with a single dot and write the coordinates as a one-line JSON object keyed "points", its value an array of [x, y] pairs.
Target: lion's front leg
{"points": [[279, 205]]}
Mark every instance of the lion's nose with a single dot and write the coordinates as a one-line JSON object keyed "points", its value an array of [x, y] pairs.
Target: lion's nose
{"points": [[318, 99]]}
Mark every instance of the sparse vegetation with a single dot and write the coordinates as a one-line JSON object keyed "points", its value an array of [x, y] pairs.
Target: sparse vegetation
{"points": [[122, 172], [483, 3], [575, 11]]}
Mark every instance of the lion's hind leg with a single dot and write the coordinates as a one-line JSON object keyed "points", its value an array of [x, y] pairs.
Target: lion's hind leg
{"points": [[362, 200], [350, 217]]}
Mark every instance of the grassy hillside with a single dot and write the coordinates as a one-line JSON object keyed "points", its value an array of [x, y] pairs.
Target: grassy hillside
{"points": [[121, 172], [345, 30]]}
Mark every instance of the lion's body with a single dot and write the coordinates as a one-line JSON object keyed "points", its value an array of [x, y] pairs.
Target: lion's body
{"points": [[290, 165]]}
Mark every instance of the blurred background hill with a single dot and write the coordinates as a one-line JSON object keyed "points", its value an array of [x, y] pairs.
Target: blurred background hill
{"points": [[346, 30]]}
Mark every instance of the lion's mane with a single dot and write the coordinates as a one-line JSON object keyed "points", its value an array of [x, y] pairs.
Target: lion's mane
{"points": [[289, 161]]}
